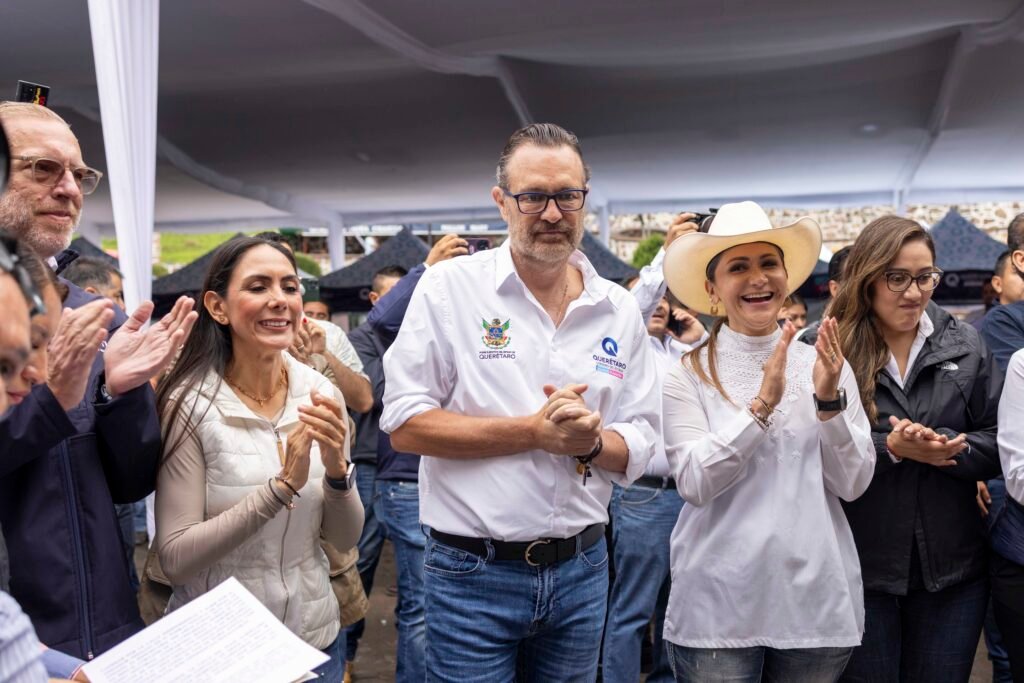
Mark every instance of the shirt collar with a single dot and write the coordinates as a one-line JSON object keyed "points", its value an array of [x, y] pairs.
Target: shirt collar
{"points": [[925, 327], [595, 287]]}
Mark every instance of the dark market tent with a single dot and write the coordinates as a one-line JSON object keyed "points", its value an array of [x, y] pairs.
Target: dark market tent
{"points": [[186, 281], [348, 289], [816, 286], [86, 248], [967, 257], [607, 264]]}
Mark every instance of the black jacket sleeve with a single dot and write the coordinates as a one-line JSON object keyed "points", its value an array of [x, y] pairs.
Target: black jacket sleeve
{"points": [[128, 432], [31, 429], [982, 462]]}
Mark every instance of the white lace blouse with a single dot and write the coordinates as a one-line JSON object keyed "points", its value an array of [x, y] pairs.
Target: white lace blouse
{"points": [[763, 554]]}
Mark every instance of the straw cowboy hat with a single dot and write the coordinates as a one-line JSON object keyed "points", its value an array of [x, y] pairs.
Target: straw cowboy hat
{"points": [[687, 259]]}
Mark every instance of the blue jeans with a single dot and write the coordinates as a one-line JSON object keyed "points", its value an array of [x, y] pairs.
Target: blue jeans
{"points": [[484, 616], [993, 639], [753, 664], [370, 543], [642, 523], [398, 509], [921, 636], [333, 670]]}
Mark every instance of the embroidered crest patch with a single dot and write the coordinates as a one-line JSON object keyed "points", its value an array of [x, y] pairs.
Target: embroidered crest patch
{"points": [[496, 333]]}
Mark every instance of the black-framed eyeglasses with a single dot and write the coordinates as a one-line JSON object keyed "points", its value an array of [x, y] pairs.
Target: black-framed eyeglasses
{"points": [[46, 171], [10, 263], [537, 202], [900, 280]]}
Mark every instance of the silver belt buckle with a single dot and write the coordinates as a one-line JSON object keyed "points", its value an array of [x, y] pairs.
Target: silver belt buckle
{"points": [[530, 548]]}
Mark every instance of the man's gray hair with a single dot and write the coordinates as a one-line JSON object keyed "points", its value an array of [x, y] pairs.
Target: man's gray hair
{"points": [[542, 135]]}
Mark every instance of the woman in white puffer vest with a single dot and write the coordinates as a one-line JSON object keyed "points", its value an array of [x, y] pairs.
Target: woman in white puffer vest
{"points": [[255, 466]]}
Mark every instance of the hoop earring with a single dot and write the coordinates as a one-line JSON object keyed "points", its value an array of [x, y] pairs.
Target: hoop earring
{"points": [[714, 309]]}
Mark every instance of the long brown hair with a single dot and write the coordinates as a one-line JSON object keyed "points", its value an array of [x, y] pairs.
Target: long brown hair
{"points": [[859, 333], [209, 345]]}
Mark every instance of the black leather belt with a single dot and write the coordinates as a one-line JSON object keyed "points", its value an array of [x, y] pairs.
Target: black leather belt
{"points": [[656, 482], [539, 553]]}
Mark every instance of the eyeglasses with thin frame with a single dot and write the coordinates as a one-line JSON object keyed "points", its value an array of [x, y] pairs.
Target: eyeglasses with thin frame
{"points": [[46, 171], [537, 202], [900, 280], [10, 263]]}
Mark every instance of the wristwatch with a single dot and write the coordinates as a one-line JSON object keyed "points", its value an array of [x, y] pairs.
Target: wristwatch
{"points": [[343, 484], [838, 404]]}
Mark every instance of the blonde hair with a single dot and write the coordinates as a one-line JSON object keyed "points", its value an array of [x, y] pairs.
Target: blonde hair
{"points": [[10, 110], [859, 332]]}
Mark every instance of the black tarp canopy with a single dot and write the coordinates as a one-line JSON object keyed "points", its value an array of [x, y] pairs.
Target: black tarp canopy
{"points": [[967, 257], [347, 289], [608, 265], [187, 281], [86, 248]]}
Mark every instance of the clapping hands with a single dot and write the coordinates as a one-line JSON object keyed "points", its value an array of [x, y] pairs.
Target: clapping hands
{"points": [[136, 353], [914, 441], [565, 425]]}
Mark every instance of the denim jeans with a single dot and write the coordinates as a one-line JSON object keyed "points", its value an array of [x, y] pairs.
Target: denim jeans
{"points": [[485, 616], [753, 664], [921, 636], [398, 509], [370, 543], [333, 670], [642, 523], [993, 639]]}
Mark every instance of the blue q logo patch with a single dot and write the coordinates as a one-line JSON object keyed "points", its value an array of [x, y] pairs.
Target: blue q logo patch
{"points": [[610, 346]]}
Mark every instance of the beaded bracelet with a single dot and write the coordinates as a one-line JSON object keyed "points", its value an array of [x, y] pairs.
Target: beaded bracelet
{"points": [[763, 423]]}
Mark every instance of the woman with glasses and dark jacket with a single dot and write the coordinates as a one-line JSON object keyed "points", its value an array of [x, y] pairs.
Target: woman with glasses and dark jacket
{"points": [[931, 390]]}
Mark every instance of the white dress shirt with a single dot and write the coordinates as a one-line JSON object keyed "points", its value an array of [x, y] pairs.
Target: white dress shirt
{"points": [[763, 554], [339, 346], [476, 342], [1011, 427], [925, 327], [648, 292]]}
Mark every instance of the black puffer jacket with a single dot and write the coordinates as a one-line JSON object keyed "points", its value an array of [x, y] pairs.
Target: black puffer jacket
{"points": [[953, 387]]}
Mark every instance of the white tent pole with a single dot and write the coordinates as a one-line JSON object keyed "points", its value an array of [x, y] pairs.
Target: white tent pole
{"points": [[336, 243], [125, 43]]}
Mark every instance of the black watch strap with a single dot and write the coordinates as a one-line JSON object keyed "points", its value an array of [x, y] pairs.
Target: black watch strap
{"points": [[343, 484], [838, 404]]}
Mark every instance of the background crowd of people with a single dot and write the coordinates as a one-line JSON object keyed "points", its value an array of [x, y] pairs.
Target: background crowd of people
{"points": [[562, 464]]}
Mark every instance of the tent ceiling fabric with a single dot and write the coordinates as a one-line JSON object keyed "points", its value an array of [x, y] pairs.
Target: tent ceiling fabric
{"points": [[826, 102]]}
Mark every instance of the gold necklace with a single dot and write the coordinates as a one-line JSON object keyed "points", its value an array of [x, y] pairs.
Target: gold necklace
{"points": [[261, 400], [565, 302]]}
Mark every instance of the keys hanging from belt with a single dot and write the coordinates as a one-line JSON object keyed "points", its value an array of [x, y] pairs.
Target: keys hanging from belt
{"points": [[583, 461]]}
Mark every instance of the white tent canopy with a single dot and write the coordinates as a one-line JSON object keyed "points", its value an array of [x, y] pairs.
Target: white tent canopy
{"points": [[334, 112]]}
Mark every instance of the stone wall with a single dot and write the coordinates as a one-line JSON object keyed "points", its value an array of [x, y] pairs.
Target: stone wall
{"points": [[839, 226]]}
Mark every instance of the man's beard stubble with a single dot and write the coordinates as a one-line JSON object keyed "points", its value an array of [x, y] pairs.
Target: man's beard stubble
{"points": [[528, 246], [16, 219]]}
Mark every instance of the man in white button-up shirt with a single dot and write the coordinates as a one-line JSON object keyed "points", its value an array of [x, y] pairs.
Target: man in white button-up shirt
{"points": [[517, 563]]}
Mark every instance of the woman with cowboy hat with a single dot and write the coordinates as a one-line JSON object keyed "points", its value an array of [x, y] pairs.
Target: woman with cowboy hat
{"points": [[763, 445]]}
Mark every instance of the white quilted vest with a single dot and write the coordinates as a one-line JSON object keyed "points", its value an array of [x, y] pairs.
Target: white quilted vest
{"points": [[283, 564]]}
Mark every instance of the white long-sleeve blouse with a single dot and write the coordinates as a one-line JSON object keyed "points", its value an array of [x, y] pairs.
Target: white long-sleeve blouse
{"points": [[763, 554]]}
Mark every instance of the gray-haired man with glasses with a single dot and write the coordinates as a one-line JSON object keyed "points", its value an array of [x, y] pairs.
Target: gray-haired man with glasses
{"points": [[87, 437]]}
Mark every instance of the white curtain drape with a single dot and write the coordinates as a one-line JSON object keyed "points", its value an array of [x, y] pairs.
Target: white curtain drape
{"points": [[125, 44]]}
